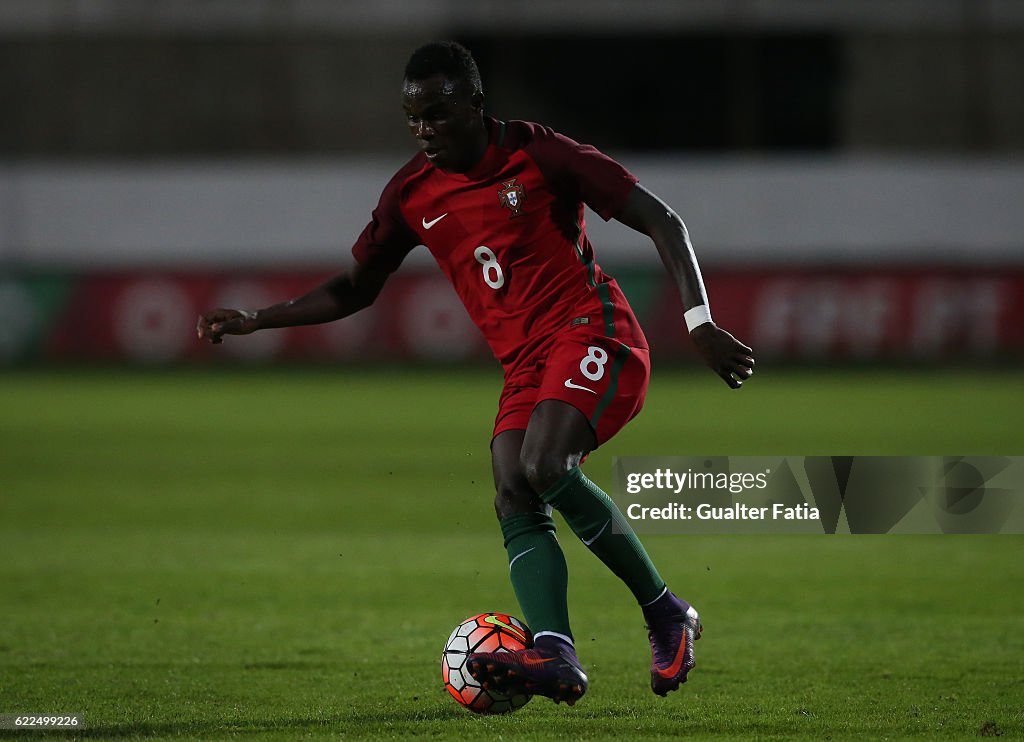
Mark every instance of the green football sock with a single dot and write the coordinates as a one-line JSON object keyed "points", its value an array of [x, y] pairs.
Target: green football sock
{"points": [[537, 569], [603, 528]]}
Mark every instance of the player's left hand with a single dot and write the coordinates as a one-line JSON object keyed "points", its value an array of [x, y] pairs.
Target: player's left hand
{"points": [[724, 354]]}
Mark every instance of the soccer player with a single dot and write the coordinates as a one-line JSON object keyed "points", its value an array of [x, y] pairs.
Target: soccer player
{"points": [[500, 204]]}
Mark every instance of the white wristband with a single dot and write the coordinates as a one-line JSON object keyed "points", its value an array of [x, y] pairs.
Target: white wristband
{"points": [[697, 316]]}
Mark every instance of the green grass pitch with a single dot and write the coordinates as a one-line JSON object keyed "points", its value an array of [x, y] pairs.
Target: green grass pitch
{"points": [[281, 555]]}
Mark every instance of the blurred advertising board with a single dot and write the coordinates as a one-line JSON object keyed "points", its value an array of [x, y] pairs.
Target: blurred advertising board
{"points": [[849, 315]]}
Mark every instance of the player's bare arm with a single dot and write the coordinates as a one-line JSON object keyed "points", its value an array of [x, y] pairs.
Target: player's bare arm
{"points": [[649, 215], [339, 297]]}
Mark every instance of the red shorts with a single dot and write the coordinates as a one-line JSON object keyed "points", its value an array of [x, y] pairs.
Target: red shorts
{"points": [[599, 376]]}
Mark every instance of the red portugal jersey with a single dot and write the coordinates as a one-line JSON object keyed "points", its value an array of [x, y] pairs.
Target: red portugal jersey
{"points": [[509, 234]]}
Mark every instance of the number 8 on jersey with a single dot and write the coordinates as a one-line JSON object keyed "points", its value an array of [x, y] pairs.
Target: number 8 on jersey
{"points": [[493, 275]]}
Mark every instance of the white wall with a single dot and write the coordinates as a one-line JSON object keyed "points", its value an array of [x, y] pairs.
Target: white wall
{"points": [[806, 211]]}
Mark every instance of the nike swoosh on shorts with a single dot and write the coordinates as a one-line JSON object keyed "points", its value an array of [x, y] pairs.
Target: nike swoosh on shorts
{"points": [[570, 385]]}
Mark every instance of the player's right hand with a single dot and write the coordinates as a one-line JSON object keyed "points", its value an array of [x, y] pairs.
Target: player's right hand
{"points": [[216, 323]]}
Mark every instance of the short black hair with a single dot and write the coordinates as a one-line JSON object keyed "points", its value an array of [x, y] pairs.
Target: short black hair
{"points": [[448, 58]]}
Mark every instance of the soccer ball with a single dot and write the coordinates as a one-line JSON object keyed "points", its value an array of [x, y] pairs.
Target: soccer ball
{"points": [[486, 632]]}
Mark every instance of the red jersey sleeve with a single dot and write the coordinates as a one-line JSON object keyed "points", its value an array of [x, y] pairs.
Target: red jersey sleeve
{"points": [[580, 171], [387, 239]]}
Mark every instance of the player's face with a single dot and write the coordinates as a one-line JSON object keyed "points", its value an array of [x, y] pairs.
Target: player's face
{"points": [[447, 122]]}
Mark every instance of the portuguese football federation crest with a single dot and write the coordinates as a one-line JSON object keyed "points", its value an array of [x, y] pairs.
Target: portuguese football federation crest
{"points": [[511, 195]]}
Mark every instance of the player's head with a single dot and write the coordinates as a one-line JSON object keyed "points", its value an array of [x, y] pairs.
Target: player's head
{"points": [[443, 100]]}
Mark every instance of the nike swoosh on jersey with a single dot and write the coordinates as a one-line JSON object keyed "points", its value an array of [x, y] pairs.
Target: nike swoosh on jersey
{"points": [[432, 222], [570, 385]]}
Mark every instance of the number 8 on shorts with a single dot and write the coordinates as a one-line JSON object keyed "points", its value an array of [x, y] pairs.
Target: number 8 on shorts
{"points": [[592, 365]]}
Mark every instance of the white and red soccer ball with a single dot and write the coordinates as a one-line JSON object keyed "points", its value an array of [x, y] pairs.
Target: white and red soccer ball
{"points": [[485, 632]]}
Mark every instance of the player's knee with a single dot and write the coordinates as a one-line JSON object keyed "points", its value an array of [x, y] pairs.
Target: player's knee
{"points": [[543, 469], [510, 500]]}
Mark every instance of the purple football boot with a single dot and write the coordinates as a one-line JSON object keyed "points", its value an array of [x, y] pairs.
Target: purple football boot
{"points": [[672, 627], [548, 669]]}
